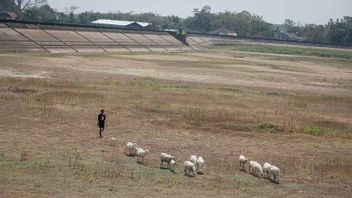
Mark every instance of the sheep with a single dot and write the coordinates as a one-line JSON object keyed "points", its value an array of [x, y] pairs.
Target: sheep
{"points": [[255, 169], [200, 164], [172, 166], [243, 162], [193, 159], [113, 141], [141, 153], [275, 172], [166, 158], [189, 169], [131, 149], [266, 170]]}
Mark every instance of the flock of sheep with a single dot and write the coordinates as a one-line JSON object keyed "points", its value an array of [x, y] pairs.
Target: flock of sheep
{"points": [[192, 166], [195, 164], [268, 171]]}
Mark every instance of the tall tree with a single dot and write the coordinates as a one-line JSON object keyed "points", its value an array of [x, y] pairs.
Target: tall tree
{"points": [[314, 33], [22, 4], [202, 20], [71, 13], [7, 5]]}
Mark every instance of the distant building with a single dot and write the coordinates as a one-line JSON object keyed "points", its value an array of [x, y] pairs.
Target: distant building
{"points": [[122, 24], [8, 15], [224, 32], [289, 36]]}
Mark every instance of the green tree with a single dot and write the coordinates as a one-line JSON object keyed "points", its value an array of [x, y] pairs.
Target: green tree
{"points": [[202, 20], [42, 13], [314, 33], [71, 13], [7, 5], [339, 31], [22, 5]]}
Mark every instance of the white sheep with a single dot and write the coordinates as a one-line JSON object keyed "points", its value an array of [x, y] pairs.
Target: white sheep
{"points": [[189, 169], [275, 172], [200, 164], [131, 149], [242, 161], [266, 170], [255, 169], [113, 141], [141, 153], [166, 158], [193, 159], [172, 165]]}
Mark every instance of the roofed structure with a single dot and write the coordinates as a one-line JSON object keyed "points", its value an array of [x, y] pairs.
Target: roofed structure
{"points": [[8, 15], [224, 32], [289, 36], [123, 24]]}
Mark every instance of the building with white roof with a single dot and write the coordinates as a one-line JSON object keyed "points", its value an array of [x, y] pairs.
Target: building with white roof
{"points": [[124, 24]]}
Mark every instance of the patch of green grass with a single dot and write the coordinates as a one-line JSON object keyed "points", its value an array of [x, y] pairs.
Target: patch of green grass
{"points": [[327, 53], [245, 184], [112, 189], [319, 131]]}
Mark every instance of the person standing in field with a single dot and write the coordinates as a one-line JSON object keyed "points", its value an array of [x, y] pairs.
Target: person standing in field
{"points": [[101, 122]]}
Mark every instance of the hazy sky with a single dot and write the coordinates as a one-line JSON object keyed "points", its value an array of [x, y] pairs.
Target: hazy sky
{"points": [[274, 11]]}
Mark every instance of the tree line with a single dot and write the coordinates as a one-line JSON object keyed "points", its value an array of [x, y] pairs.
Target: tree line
{"points": [[203, 21]]}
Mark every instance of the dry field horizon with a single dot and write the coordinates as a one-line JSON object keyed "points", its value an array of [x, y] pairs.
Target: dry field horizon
{"points": [[294, 111]]}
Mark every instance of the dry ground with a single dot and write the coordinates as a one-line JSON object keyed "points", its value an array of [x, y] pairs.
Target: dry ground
{"points": [[295, 112]]}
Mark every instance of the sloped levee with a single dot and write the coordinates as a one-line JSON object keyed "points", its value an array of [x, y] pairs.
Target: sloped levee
{"points": [[21, 36], [26, 37], [203, 41], [197, 41]]}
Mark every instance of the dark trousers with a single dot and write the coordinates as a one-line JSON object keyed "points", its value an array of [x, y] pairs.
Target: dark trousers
{"points": [[101, 128]]}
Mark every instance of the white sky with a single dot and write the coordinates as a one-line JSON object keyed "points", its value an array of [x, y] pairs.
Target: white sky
{"points": [[274, 11]]}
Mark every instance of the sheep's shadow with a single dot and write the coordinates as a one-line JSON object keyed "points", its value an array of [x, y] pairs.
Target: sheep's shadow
{"points": [[191, 176], [142, 163], [273, 181], [167, 169], [257, 176]]}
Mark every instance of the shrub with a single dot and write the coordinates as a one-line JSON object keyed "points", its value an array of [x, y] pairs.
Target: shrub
{"points": [[319, 131], [268, 127]]}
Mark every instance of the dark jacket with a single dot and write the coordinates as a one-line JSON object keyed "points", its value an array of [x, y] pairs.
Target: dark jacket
{"points": [[101, 119]]}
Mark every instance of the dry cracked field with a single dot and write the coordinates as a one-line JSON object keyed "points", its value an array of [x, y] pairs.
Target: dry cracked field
{"points": [[292, 111]]}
